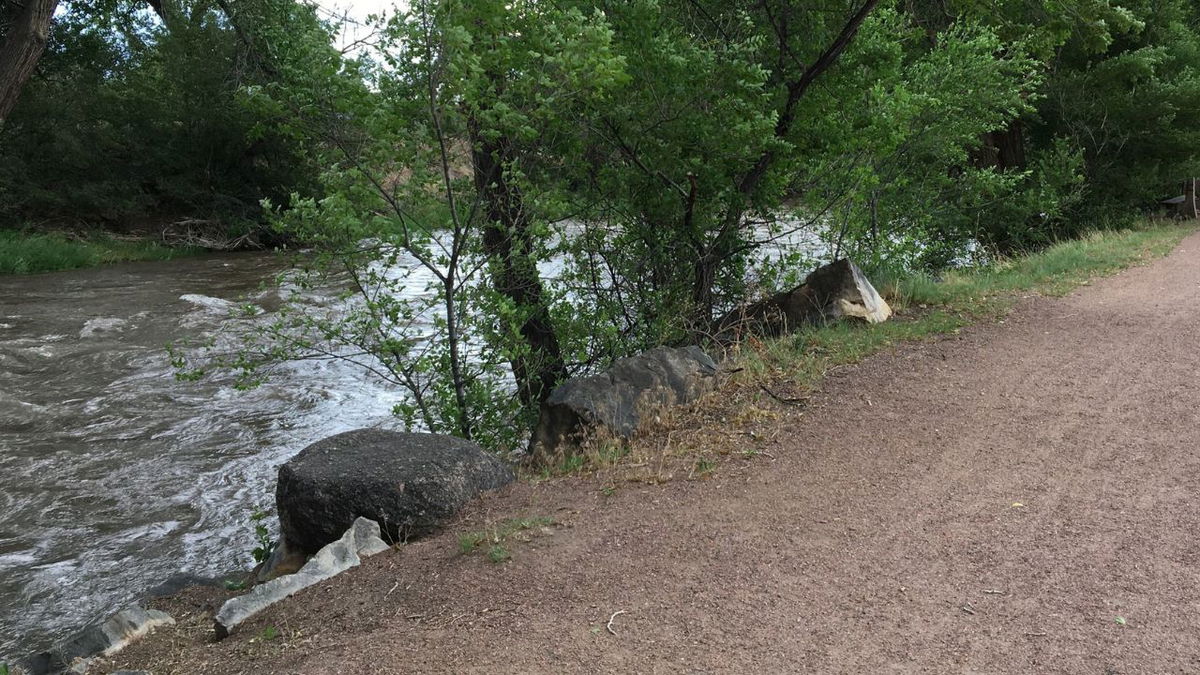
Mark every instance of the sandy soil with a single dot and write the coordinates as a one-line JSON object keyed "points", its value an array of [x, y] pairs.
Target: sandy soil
{"points": [[1018, 499]]}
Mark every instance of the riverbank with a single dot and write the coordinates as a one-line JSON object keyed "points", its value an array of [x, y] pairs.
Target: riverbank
{"points": [[28, 252], [788, 369], [843, 528]]}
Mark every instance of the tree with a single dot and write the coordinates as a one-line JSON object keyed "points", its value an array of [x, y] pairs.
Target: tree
{"points": [[21, 47], [431, 165], [129, 124]]}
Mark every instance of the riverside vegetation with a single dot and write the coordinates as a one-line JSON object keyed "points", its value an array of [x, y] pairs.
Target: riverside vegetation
{"points": [[683, 443], [31, 252], [679, 139]]}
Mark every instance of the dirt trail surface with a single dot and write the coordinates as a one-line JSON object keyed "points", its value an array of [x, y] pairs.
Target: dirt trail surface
{"points": [[1018, 499]]}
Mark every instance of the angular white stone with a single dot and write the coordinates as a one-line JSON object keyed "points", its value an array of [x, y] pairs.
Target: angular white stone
{"points": [[360, 541]]}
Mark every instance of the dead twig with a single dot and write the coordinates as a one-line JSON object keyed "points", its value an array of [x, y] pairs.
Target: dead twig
{"points": [[994, 591], [967, 608], [613, 618], [798, 401]]}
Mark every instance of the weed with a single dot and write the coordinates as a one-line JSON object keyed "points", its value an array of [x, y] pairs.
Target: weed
{"points": [[592, 453], [608, 490], [572, 464], [469, 542], [498, 554], [703, 467], [262, 537], [230, 585]]}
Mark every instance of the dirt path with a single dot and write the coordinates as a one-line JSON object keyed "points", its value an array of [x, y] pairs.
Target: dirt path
{"points": [[987, 504]]}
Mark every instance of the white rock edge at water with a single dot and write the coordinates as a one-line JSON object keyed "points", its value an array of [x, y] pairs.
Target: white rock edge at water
{"points": [[360, 541], [104, 639]]}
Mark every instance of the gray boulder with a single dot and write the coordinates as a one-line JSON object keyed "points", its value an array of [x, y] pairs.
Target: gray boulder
{"points": [[360, 541], [833, 291], [615, 400], [409, 483]]}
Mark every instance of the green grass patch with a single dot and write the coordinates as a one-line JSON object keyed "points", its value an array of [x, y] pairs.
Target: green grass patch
{"points": [[23, 252], [495, 539], [927, 307]]}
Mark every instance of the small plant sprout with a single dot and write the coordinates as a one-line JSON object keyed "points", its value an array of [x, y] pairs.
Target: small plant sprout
{"points": [[498, 554], [704, 467], [469, 541], [262, 536]]}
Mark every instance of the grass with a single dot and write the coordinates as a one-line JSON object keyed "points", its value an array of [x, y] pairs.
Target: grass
{"points": [[595, 452], [496, 538], [24, 252]]}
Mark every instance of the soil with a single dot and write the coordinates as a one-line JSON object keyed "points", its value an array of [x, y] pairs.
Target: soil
{"points": [[1020, 498]]}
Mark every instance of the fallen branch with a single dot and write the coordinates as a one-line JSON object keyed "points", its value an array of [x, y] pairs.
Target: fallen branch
{"points": [[797, 401]]}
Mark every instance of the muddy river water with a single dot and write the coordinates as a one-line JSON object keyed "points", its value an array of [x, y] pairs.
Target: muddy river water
{"points": [[113, 475]]}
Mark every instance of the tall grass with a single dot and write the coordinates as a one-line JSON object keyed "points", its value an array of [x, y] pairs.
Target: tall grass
{"points": [[23, 252], [1056, 270]]}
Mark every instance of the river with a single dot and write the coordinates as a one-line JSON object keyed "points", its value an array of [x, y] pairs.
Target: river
{"points": [[113, 475]]}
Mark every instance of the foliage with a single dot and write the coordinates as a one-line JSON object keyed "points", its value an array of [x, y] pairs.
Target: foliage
{"points": [[404, 233], [904, 188], [262, 536], [1132, 107], [129, 124]]}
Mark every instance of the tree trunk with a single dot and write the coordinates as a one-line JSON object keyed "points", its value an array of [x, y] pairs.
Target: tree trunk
{"points": [[508, 243], [1003, 149], [21, 50], [1189, 208]]}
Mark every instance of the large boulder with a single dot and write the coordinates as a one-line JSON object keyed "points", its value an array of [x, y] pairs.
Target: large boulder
{"points": [[833, 291], [409, 483], [614, 402]]}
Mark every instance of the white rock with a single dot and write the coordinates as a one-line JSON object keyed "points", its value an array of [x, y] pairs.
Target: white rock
{"points": [[360, 541]]}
